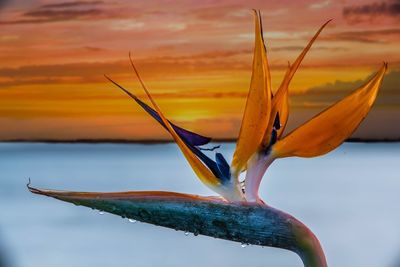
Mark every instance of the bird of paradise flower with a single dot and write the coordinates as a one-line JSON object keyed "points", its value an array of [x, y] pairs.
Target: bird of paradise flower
{"points": [[240, 214]]}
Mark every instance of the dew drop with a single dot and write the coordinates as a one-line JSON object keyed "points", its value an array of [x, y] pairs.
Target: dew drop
{"points": [[186, 233], [132, 220], [243, 245], [101, 212]]}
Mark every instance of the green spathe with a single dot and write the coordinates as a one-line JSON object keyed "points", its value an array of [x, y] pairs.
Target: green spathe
{"points": [[248, 223]]}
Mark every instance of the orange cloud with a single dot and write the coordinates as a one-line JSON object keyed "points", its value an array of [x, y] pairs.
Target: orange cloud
{"points": [[195, 57]]}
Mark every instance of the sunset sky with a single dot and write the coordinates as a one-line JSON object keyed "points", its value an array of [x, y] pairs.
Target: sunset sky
{"points": [[195, 57]]}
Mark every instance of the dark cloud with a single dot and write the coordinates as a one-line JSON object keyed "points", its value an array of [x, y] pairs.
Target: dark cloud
{"points": [[3, 3], [77, 10], [381, 122], [72, 4], [45, 16], [213, 13], [324, 95], [93, 72], [211, 55], [300, 48], [366, 36], [47, 74], [94, 49], [26, 21], [65, 14], [368, 12]]}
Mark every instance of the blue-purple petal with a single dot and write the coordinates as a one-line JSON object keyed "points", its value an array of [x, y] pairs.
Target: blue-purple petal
{"points": [[223, 166], [190, 137]]}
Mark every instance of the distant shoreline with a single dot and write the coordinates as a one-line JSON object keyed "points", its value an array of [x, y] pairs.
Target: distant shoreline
{"points": [[150, 142]]}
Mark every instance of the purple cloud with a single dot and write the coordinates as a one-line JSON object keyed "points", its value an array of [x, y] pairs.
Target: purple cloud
{"points": [[360, 13]]}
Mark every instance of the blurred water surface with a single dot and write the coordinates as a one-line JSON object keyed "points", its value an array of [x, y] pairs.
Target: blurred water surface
{"points": [[350, 198]]}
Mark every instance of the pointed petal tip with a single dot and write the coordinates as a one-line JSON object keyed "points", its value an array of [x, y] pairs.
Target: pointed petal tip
{"points": [[192, 137], [331, 127], [38, 191], [202, 171], [326, 23], [256, 12], [258, 104], [384, 67], [30, 188], [120, 87], [33, 189]]}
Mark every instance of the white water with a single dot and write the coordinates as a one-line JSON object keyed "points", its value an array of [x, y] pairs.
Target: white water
{"points": [[349, 198]]}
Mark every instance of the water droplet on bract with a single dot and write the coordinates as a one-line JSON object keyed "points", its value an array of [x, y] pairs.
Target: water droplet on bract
{"points": [[132, 220], [243, 245], [101, 212], [186, 233]]}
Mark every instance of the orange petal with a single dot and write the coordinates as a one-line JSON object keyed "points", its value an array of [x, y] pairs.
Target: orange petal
{"points": [[331, 127], [280, 102], [204, 174], [258, 106]]}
